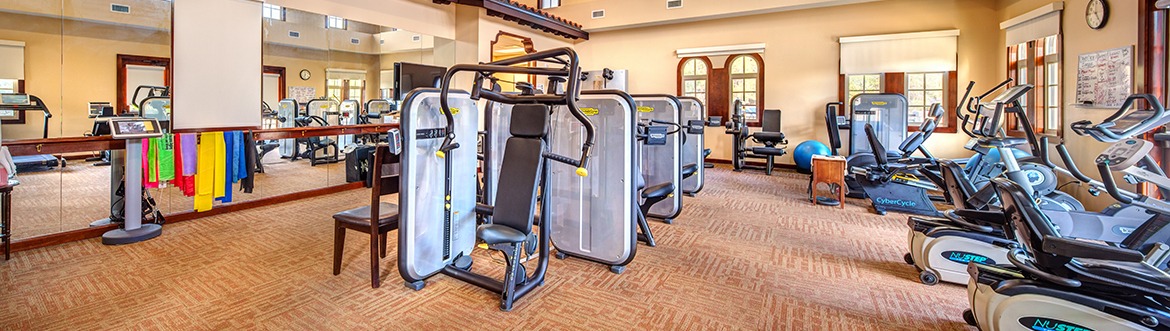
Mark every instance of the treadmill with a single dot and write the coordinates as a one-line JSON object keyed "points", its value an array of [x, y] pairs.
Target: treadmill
{"points": [[19, 102]]}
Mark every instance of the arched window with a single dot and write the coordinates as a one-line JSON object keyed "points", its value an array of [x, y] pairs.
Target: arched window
{"points": [[692, 75], [746, 83]]}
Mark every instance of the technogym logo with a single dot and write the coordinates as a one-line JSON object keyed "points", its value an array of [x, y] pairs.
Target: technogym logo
{"points": [[1046, 324], [1123, 230], [965, 257], [895, 202]]}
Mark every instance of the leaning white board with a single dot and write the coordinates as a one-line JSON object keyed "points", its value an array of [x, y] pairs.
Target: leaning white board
{"points": [[217, 67]]}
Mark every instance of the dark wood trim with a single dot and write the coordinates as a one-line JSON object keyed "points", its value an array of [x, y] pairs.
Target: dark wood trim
{"points": [[302, 132], [760, 104], [101, 143], [719, 93], [753, 163], [894, 82], [679, 80], [275, 70], [952, 101], [60, 238], [841, 93], [63, 145], [94, 232], [526, 16], [124, 60]]}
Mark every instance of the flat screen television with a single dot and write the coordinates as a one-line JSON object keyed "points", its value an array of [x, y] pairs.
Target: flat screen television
{"points": [[409, 76]]}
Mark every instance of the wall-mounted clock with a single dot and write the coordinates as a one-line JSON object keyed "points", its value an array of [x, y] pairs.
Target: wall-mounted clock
{"points": [[305, 74], [1097, 14]]}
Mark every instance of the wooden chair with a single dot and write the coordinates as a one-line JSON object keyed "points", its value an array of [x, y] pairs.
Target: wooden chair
{"points": [[384, 172]]}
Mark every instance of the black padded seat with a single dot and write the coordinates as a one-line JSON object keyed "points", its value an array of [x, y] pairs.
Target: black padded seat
{"points": [[689, 170], [360, 216], [768, 136], [706, 152], [658, 191], [499, 234], [768, 151]]}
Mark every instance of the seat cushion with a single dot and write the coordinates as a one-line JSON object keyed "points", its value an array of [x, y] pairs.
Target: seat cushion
{"points": [[658, 191], [360, 216], [768, 151], [499, 234], [689, 170]]}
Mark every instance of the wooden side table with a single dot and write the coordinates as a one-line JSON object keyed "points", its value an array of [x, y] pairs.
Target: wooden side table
{"points": [[829, 170]]}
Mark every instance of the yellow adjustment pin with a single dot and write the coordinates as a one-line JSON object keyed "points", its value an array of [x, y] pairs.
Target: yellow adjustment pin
{"points": [[448, 206], [440, 154], [582, 172], [448, 198]]}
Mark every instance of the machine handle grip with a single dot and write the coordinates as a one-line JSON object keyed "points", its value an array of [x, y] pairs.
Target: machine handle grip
{"points": [[1110, 185]]}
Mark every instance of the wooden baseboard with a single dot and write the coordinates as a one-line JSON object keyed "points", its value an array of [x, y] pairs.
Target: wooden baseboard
{"points": [[754, 163], [94, 232]]}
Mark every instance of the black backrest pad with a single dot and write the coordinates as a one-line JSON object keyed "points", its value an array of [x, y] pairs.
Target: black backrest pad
{"points": [[529, 121], [834, 131], [521, 168], [879, 151], [770, 121], [957, 185]]}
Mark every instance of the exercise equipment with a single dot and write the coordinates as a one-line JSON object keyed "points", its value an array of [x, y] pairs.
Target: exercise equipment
{"points": [[662, 162], [1057, 283], [319, 150], [349, 112], [804, 152], [941, 248], [694, 149], [132, 230], [287, 111], [438, 210], [770, 136], [19, 102], [892, 185]]}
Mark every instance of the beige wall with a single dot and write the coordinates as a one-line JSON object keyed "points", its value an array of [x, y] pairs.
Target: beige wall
{"points": [[295, 59], [71, 63], [802, 56], [1120, 31]]}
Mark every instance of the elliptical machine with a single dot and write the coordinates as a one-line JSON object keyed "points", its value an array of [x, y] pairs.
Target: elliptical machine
{"points": [[1058, 283], [942, 248]]}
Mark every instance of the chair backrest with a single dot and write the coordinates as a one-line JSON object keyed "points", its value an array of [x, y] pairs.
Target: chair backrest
{"points": [[1026, 223], [770, 120], [879, 151], [916, 139], [958, 188], [521, 168], [831, 110], [385, 169]]}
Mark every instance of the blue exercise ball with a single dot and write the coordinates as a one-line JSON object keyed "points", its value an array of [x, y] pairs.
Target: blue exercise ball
{"points": [[804, 153]]}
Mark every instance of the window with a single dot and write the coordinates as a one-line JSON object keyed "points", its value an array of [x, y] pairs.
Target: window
{"points": [[1037, 62], [861, 83], [273, 12], [546, 4], [334, 22], [9, 86], [345, 89], [922, 91], [694, 79], [745, 78]]}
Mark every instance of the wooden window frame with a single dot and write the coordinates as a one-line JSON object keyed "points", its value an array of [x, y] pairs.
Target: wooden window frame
{"points": [[125, 60], [279, 71], [706, 76], [760, 104], [19, 114], [895, 82], [1036, 101]]}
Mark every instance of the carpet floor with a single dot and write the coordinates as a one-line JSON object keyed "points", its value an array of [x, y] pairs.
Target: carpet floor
{"points": [[749, 252]]}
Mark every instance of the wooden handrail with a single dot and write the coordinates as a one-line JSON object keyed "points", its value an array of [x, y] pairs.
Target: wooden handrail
{"points": [[102, 143]]}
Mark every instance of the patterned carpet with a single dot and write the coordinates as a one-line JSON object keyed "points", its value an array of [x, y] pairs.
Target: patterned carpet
{"points": [[748, 253]]}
